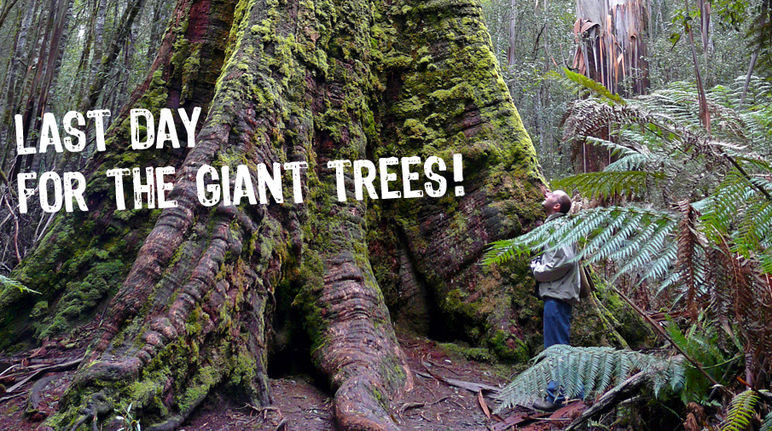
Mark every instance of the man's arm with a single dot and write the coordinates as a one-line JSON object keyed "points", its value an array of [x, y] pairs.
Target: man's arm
{"points": [[553, 265]]}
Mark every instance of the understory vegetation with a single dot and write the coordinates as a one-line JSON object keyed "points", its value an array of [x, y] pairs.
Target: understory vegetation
{"points": [[672, 191], [685, 216]]}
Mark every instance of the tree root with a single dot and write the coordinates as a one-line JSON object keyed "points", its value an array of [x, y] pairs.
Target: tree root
{"points": [[357, 409]]}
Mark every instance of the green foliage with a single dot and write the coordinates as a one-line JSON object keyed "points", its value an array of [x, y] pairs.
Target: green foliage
{"points": [[608, 184], [584, 86], [703, 238], [590, 370], [633, 234], [701, 343], [10, 283], [129, 422], [766, 425], [664, 157], [741, 411]]}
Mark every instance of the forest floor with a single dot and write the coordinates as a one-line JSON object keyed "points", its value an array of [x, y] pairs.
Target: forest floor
{"points": [[451, 392]]}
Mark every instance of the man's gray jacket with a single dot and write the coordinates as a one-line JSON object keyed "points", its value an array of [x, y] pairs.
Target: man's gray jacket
{"points": [[558, 277]]}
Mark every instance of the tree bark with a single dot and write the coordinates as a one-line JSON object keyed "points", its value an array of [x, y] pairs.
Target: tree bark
{"points": [[294, 81], [611, 49], [118, 40]]}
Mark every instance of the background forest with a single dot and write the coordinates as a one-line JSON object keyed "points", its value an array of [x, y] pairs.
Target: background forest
{"points": [[666, 144]]}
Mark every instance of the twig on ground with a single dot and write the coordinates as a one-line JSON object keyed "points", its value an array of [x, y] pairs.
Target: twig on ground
{"points": [[282, 425], [8, 369], [407, 406], [56, 367], [470, 386], [264, 410], [11, 397]]}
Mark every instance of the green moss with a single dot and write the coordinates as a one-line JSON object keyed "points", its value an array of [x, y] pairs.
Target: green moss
{"points": [[40, 309], [479, 354], [509, 347]]}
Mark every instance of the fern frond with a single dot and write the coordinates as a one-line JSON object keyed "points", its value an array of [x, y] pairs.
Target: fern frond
{"points": [[586, 369], [659, 267], [651, 248], [766, 425], [608, 183], [615, 232], [505, 250], [10, 283], [741, 410], [586, 85]]}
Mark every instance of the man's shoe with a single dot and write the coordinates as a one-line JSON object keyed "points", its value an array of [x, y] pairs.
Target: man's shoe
{"points": [[545, 405]]}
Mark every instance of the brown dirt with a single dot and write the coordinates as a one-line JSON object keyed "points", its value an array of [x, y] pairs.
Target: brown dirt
{"points": [[431, 405], [299, 404]]}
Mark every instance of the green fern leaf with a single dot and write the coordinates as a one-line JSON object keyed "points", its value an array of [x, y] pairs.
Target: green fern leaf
{"points": [[741, 410], [585, 369]]}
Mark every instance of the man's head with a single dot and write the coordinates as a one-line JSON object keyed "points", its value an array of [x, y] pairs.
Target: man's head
{"points": [[556, 202]]}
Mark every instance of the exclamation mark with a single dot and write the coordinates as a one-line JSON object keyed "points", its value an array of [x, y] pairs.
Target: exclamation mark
{"points": [[458, 173]]}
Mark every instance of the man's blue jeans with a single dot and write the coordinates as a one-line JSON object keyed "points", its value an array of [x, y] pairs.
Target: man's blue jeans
{"points": [[557, 322], [557, 328]]}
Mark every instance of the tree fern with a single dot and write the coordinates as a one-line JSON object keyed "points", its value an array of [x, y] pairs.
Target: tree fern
{"points": [[590, 370], [703, 240]]}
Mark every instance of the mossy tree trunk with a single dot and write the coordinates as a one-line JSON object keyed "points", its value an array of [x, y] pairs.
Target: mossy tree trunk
{"points": [[192, 293]]}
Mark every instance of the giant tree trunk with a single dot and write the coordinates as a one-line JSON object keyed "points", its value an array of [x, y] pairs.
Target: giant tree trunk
{"points": [[611, 49], [191, 291]]}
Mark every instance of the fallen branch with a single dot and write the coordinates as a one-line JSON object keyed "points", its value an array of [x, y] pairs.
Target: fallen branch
{"points": [[407, 406], [517, 419], [57, 367], [11, 397], [611, 398], [463, 384], [8, 369], [483, 404]]}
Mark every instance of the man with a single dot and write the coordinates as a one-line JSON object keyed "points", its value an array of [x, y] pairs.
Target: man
{"points": [[559, 286]]}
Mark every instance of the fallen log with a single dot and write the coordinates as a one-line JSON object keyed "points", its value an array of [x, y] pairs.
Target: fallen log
{"points": [[611, 398]]}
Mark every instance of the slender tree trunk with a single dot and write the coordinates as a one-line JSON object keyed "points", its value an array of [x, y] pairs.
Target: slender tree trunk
{"points": [[118, 39], [512, 33], [307, 82], [6, 9], [14, 80]]}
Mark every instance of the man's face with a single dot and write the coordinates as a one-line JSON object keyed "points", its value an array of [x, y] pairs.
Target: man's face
{"points": [[550, 201]]}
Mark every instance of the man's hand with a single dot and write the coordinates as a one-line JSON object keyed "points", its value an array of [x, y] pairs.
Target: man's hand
{"points": [[535, 261]]}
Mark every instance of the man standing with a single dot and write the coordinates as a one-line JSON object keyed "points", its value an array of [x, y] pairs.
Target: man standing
{"points": [[559, 285]]}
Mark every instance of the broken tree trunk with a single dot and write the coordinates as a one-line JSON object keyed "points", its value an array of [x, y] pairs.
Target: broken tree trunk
{"points": [[305, 82], [611, 49]]}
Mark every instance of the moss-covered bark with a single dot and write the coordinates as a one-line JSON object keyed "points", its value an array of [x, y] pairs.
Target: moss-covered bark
{"points": [[84, 257], [445, 95], [191, 310]]}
